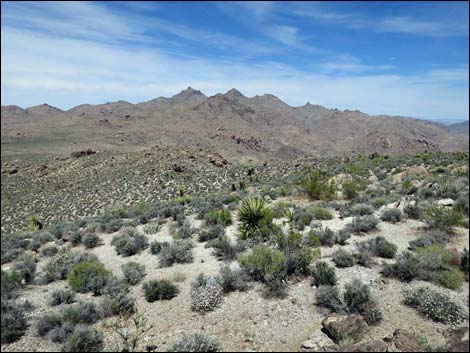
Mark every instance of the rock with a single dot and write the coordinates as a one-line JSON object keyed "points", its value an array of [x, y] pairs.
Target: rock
{"points": [[308, 345], [373, 178], [410, 172], [402, 341], [445, 202], [13, 171], [341, 327], [455, 259], [458, 340], [78, 154], [217, 160], [372, 346]]}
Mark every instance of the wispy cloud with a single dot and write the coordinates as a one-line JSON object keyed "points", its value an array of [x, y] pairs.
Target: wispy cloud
{"points": [[384, 24]]}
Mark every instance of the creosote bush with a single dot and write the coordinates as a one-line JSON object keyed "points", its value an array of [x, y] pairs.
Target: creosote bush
{"points": [[328, 297], [88, 277], [358, 299], [343, 258], [129, 242], [318, 186], [222, 217], [179, 251], [62, 296], [392, 215], [324, 274], [439, 217], [133, 272], [198, 342], [84, 339], [160, 290], [362, 224]]}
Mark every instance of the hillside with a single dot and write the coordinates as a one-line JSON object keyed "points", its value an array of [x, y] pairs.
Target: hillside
{"points": [[240, 127]]}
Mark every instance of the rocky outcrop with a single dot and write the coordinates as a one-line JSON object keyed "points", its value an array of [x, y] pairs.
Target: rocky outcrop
{"points": [[341, 328]]}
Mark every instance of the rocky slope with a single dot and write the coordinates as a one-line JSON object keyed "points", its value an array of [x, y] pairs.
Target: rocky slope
{"points": [[259, 127]]}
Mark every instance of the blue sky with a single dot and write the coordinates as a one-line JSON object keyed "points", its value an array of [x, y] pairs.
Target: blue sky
{"points": [[397, 58]]}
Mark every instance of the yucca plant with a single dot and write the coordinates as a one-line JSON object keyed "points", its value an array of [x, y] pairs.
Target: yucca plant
{"points": [[255, 217]]}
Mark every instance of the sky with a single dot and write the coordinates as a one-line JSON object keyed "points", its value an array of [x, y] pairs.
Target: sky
{"points": [[396, 58]]}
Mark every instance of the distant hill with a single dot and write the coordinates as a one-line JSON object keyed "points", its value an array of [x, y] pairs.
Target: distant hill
{"points": [[459, 128], [259, 127]]}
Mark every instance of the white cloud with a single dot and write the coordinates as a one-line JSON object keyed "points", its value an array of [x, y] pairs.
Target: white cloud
{"points": [[38, 69]]}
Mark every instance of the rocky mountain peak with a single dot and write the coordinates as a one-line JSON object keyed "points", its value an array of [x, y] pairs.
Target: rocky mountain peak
{"points": [[234, 93]]}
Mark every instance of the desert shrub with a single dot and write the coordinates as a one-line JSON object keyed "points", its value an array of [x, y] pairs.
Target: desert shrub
{"points": [[133, 272], [232, 280], [62, 296], [198, 342], [60, 266], [362, 224], [90, 240], [11, 281], [185, 231], [392, 215], [324, 274], [224, 249], [328, 297], [318, 186], [341, 236], [412, 211], [378, 246], [75, 238], [151, 228], [157, 246], [448, 189], [462, 204], [49, 251], [321, 213], [160, 290], [222, 217], [350, 189], [343, 258], [300, 217], [431, 237], [263, 262], [84, 339], [206, 293], [361, 209], [111, 225], [57, 230], [211, 232], [88, 277], [436, 306], [364, 257], [26, 267], [255, 218], [358, 299], [441, 218], [116, 298], [129, 242], [179, 251], [429, 264], [13, 320], [298, 257], [322, 236]]}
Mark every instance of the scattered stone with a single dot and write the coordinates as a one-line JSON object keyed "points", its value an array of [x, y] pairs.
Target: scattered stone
{"points": [[341, 327], [403, 341]]}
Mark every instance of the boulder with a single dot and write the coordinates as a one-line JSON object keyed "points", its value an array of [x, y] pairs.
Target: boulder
{"points": [[409, 173], [458, 340], [371, 346], [217, 160], [455, 259], [341, 327], [445, 202], [402, 341]]}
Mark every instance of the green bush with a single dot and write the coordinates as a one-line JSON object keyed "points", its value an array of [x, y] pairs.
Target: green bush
{"points": [[133, 272], [321, 213], [84, 339], [88, 277], [451, 278], [318, 186], [362, 224], [378, 247], [328, 297], [198, 342], [26, 267], [324, 274], [129, 242], [358, 299], [211, 232], [361, 209], [151, 228], [75, 238], [343, 258], [116, 298], [160, 290], [449, 189], [62, 296], [322, 236], [222, 217], [392, 215], [263, 262], [60, 266], [441, 218], [224, 249], [156, 247], [232, 280], [179, 251], [436, 306], [90, 240]]}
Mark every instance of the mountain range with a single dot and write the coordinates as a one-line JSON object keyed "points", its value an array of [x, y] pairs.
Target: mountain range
{"points": [[260, 127]]}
